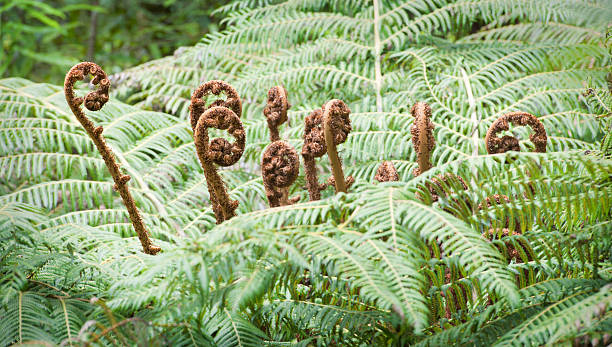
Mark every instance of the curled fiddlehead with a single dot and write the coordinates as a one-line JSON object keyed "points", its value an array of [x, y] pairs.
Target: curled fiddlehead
{"points": [[94, 101], [276, 110], [314, 147], [280, 167], [386, 172], [336, 126], [215, 87], [219, 151], [422, 136], [506, 143]]}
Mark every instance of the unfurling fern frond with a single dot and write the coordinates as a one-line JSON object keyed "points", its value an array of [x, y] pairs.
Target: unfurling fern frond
{"points": [[489, 243]]}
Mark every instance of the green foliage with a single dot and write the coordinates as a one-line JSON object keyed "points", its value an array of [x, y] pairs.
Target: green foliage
{"points": [[381, 265], [41, 40]]}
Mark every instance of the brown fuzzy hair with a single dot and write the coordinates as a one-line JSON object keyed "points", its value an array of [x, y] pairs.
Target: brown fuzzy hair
{"points": [[220, 115], [509, 143], [280, 167], [94, 101], [422, 136], [386, 172], [276, 110]]}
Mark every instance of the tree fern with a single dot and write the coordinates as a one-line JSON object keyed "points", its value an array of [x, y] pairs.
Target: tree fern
{"points": [[383, 264]]}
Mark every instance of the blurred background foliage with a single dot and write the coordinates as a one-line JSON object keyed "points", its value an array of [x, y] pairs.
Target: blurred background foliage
{"points": [[42, 39]]}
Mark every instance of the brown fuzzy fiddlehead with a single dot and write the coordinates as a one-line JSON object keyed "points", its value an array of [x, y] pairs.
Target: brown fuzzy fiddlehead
{"points": [[280, 167], [215, 87], [336, 127], [219, 151], [276, 110], [422, 136], [506, 143], [314, 147], [386, 172], [94, 101]]}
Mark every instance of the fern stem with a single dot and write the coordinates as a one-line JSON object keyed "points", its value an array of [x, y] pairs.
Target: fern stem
{"points": [[314, 146], [377, 57], [336, 126], [94, 101], [422, 136], [219, 151]]}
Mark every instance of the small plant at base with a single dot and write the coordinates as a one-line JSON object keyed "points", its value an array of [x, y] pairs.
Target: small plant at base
{"points": [[336, 126], [386, 172], [280, 167], [276, 110], [422, 136], [219, 151], [509, 143], [94, 101]]}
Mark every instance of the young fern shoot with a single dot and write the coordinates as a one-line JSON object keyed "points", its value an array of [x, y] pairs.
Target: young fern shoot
{"points": [[510, 143], [280, 167], [276, 110], [336, 126], [507, 143], [220, 115], [422, 136], [280, 163], [94, 101], [386, 172], [314, 147]]}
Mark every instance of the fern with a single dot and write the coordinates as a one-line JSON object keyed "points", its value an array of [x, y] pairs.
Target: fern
{"points": [[386, 263]]}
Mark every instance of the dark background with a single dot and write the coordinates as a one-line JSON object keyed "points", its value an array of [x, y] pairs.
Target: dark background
{"points": [[41, 40]]}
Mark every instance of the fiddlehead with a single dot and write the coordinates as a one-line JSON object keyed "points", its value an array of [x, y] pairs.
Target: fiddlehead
{"points": [[276, 110], [280, 167], [422, 136], [509, 143], [219, 151], [94, 101], [215, 87], [386, 172], [336, 126], [314, 147]]}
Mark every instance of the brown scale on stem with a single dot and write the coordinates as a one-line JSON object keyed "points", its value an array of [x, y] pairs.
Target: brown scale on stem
{"points": [[422, 136], [336, 127], [218, 151], [280, 167], [276, 110], [386, 172], [314, 147], [506, 143], [94, 101]]}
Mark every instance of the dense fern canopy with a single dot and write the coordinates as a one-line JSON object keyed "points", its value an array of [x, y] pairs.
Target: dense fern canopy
{"points": [[388, 263]]}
